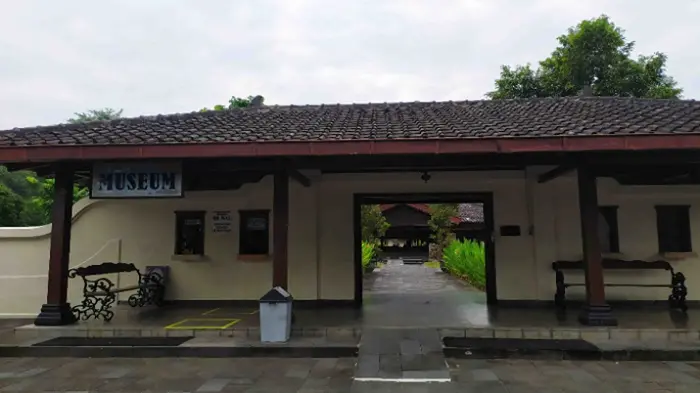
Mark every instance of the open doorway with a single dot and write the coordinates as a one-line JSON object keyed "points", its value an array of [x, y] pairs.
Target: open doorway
{"points": [[408, 238]]}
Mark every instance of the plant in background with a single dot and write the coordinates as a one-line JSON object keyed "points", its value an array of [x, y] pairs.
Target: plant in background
{"points": [[39, 206], [374, 224], [441, 224], [369, 251], [91, 115], [466, 259], [11, 206]]}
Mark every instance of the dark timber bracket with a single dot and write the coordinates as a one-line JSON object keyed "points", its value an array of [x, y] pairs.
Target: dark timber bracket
{"points": [[299, 177], [555, 173]]}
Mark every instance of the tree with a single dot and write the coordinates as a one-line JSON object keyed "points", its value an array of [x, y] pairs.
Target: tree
{"points": [[441, 224], [25, 198], [11, 206], [233, 102], [594, 53], [374, 224], [40, 205], [103, 114]]}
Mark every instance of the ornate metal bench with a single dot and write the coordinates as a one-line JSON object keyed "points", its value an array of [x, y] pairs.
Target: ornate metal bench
{"points": [[677, 283], [100, 294]]}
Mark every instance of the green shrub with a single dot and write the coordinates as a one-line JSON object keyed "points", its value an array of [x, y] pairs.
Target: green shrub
{"points": [[369, 251], [466, 259]]}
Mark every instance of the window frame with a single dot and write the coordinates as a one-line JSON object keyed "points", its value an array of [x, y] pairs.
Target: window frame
{"points": [[609, 214], [685, 231], [244, 216], [180, 217]]}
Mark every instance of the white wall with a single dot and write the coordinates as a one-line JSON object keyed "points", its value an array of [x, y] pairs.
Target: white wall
{"points": [[558, 234], [321, 237]]}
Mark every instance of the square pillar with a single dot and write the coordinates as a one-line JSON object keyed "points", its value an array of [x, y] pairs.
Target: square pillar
{"points": [[596, 311], [57, 311], [280, 228]]}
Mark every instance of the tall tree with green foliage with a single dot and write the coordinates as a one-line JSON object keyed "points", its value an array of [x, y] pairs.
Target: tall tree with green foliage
{"points": [[11, 207], [103, 114], [25, 198], [374, 224], [233, 102], [594, 53], [40, 205]]}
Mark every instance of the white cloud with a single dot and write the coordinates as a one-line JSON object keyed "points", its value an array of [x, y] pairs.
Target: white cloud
{"points": [[163, 56]]}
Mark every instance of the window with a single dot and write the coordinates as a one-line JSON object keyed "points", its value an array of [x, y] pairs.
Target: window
{"points": [[189, 233], [607, 229], [254, 232], [673, 228]]}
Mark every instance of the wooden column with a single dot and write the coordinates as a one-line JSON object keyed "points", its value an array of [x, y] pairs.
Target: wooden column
{"points": [[596, 311], [280, 227], [57, 311]]}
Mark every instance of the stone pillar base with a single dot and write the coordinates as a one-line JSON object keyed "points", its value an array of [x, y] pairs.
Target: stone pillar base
{"points": [[55, 315], [592, 315]]}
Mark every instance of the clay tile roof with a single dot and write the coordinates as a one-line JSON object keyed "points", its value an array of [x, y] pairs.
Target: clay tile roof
{"points": [[471, 212], [532, 118]]}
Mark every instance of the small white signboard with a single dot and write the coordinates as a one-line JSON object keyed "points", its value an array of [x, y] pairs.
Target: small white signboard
{"points": [[136, 180], [222, 221]]}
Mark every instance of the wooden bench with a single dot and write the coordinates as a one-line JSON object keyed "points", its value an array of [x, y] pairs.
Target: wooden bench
{"points": [[100, 293], [676, 299]]}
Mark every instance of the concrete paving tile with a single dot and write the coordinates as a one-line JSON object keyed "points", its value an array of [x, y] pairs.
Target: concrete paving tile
{"points": [[30, 373], [117, 372], [20, 386], [367, 366], [410, 347], [213, 385], [483, 375], [683, 367], [426, 374], [390, 366]]}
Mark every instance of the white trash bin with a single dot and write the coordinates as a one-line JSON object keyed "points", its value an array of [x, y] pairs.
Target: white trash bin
{"points": [[276, 316]]}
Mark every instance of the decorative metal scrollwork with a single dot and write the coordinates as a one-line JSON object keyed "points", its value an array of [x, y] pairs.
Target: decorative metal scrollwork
{"points": [[560, 295], [151, 291], [679, 292], [95, 307]]}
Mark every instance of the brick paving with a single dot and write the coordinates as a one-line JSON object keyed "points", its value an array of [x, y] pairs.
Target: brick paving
{"points": [[335, 376]]}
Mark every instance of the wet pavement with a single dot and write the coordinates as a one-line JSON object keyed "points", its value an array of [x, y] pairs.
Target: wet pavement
{"points": [[401, 304], [399, 351], [336, 376], [400, 296], [419, 296]]}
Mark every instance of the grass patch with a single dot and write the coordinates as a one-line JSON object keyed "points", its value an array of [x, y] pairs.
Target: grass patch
{"points": [[432, 264], [466, 259]]}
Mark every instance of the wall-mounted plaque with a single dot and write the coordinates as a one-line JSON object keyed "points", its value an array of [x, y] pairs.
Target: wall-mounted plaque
{"points": [[222, 221]]}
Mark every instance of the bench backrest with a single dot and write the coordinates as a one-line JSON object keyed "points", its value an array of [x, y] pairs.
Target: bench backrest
{"points": [[615, 264], [162, 271], [104, 268]]}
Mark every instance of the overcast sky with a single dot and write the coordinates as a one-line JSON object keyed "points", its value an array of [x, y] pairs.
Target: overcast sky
{"points": [[165, 56]]}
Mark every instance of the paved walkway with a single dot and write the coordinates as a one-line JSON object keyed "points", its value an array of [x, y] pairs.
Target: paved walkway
{"points": [[404, 296], [408, 300], [335, 376]]}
